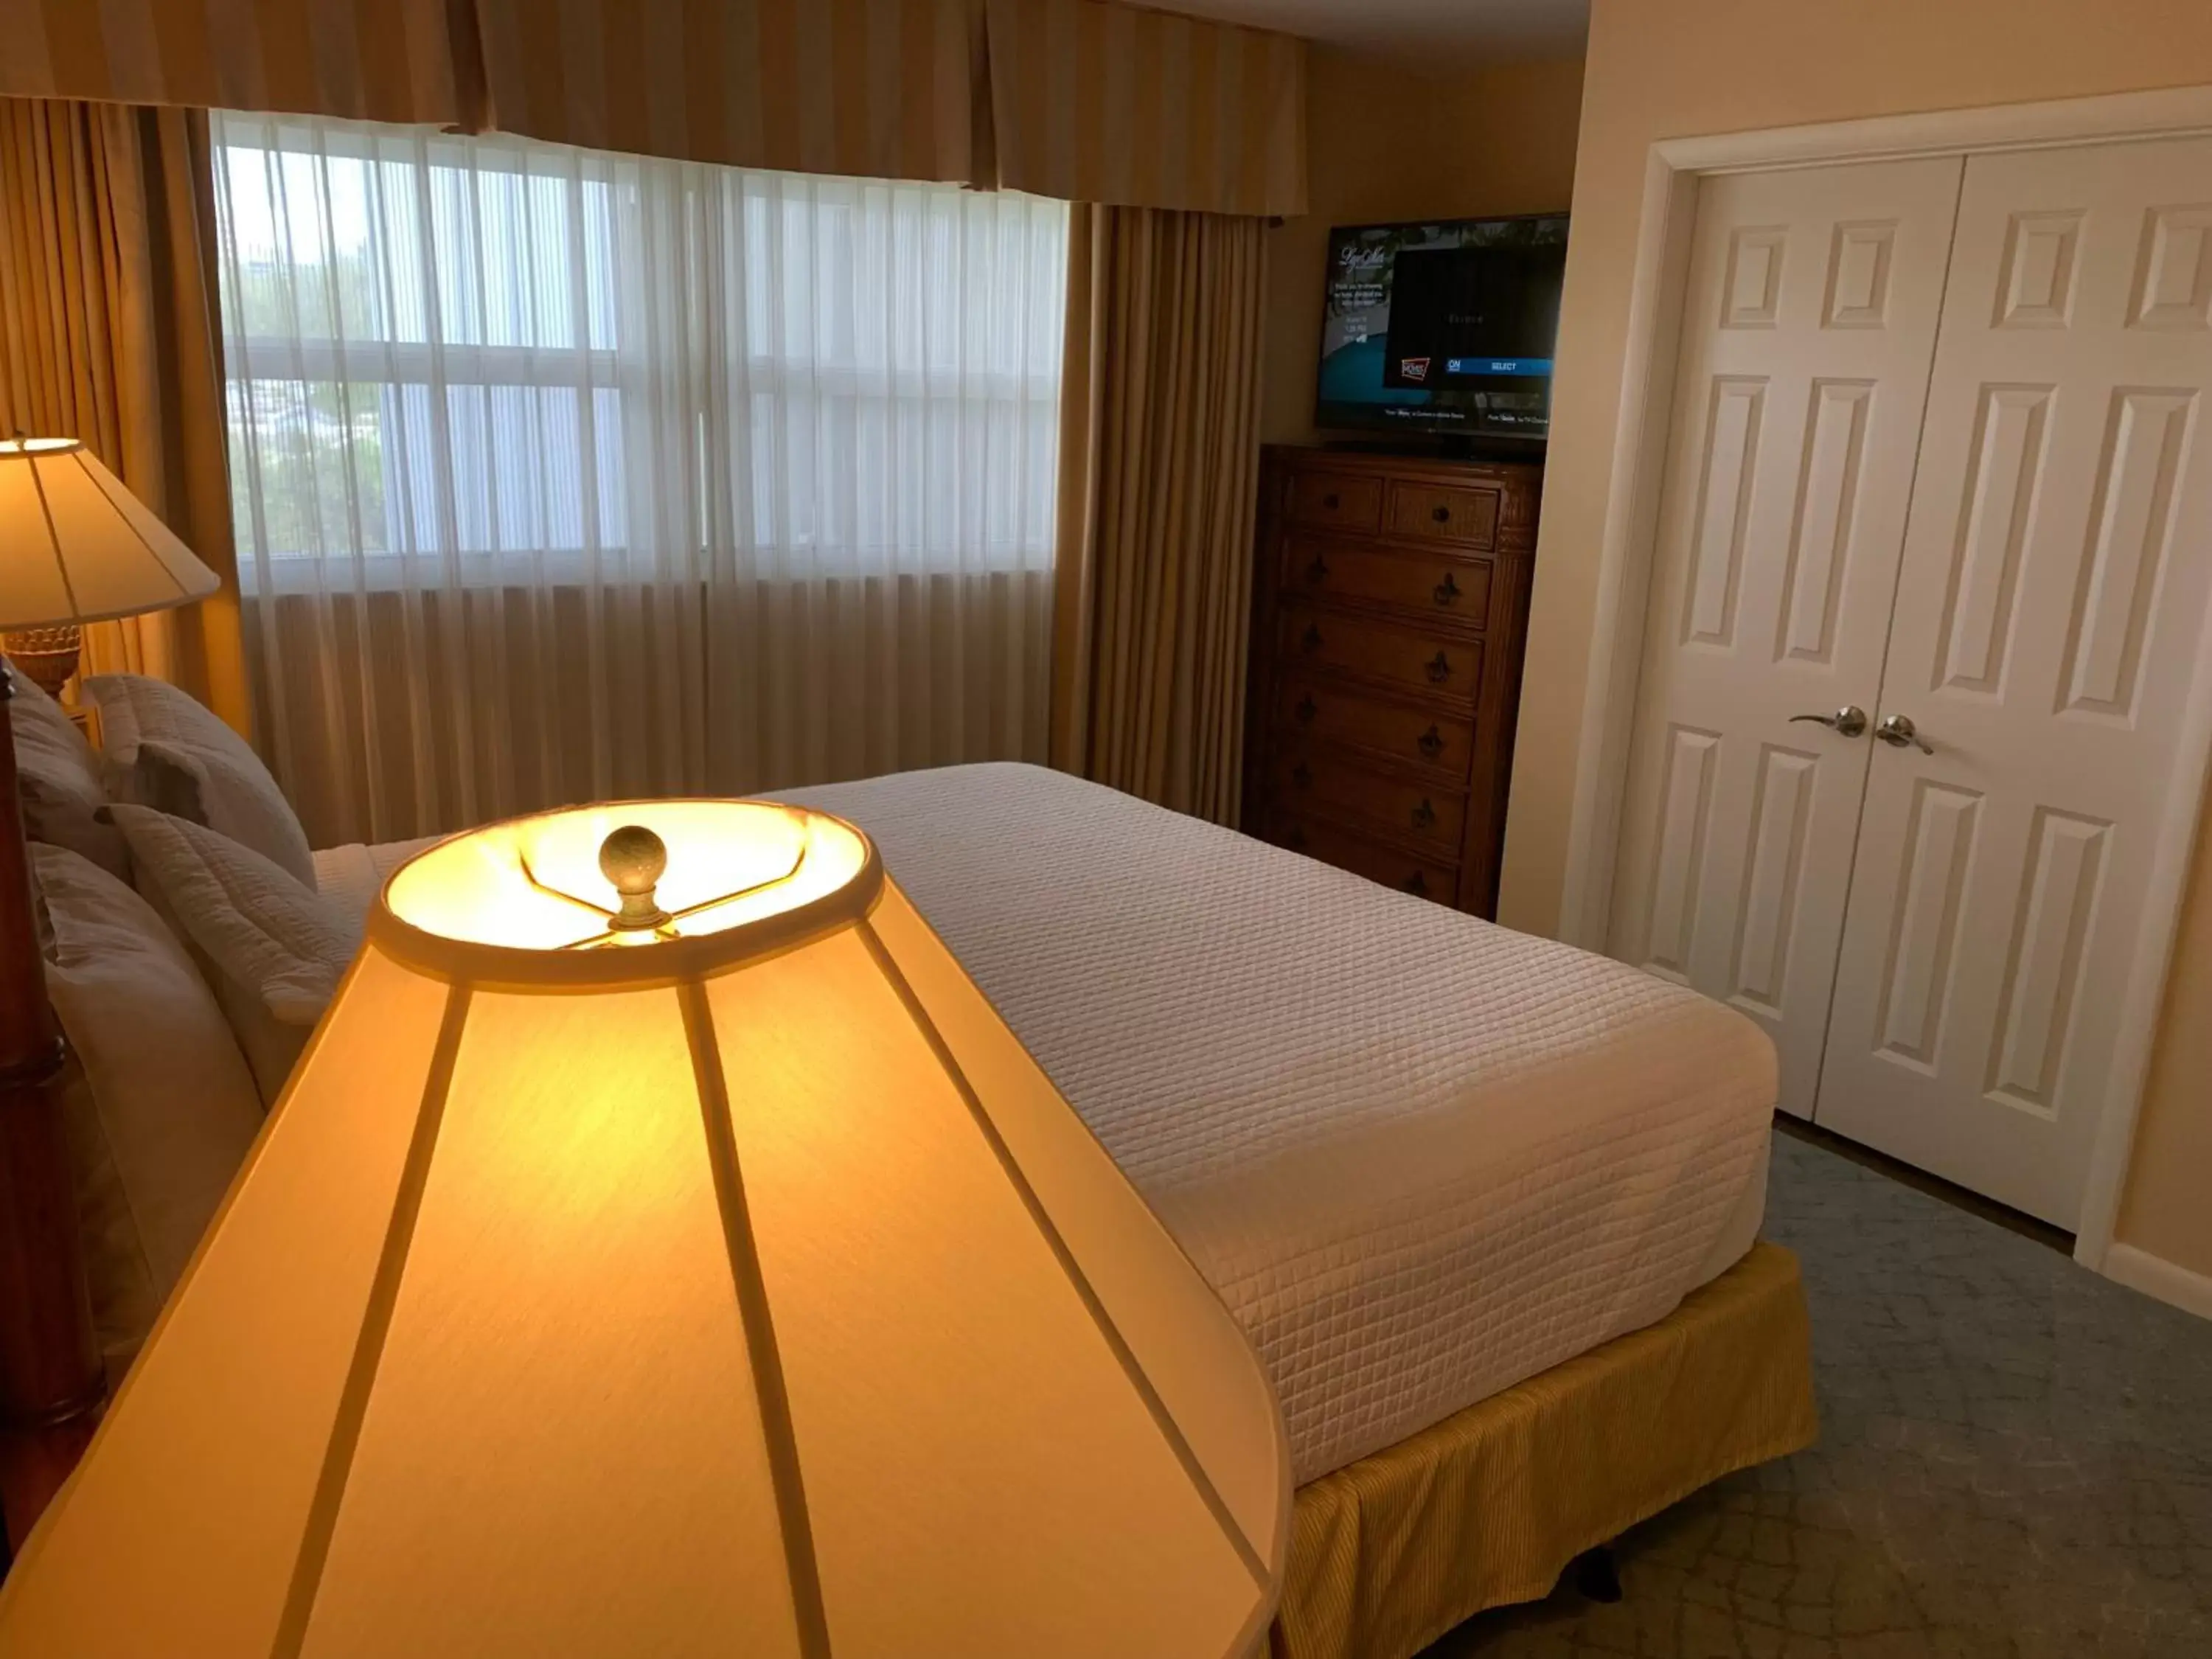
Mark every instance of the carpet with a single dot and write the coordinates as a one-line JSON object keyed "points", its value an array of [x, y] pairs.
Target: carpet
{"points": [[2016, 1462]]}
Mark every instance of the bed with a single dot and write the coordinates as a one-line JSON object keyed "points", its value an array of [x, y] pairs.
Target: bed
{"points": [[1485, 1205]]}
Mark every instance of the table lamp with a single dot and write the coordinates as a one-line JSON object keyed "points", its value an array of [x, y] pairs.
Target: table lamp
{"points": [[664, 1248], [76, 547]]}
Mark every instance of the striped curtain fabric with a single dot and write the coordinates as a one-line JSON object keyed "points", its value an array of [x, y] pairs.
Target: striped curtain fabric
{"points": [[1086, 100], [107, 307], [379, 60], [1159, 459], [861, 88], [1096, 102]]}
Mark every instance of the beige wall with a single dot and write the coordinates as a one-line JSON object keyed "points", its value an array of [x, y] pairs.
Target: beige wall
{"points": [[2168, 1208], [1705, 66], [1384, 143]]}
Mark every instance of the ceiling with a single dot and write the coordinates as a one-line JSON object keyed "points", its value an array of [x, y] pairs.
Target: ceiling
{"points": [[1458, 30]]}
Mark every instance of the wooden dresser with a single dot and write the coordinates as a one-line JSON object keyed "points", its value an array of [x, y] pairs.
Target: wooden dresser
{"points": [[1390, 606]]}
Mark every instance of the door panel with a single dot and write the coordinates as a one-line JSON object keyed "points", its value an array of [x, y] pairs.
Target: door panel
{"points": [[2050, 610], [1808, 330]]}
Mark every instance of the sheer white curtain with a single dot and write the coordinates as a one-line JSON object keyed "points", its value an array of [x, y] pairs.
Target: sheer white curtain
{"points": [[561, 476]]}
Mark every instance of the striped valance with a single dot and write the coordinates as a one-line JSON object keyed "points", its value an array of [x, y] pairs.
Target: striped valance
{"points": [[1084, 99], [1096, 102], [374, 60], [875, 89]]}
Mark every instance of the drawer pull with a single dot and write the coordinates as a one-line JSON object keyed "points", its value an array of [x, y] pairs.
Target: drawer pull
{"points": [[1317, 571], [1307, 708], [1438, 667], [1431, 742], [1442, 515], [1418, 884], [1310, 640], [1423, 815], [1447, 589], [1328, 502], [1302, 775]]}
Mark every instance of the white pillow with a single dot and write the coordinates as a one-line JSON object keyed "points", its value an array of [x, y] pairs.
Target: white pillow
{"points": [[273, 948], [62, 791], [160, 1110], [167, 751]]}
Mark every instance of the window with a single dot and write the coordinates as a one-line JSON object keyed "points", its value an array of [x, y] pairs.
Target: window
{"points": [[563, 475], [471, 353]]}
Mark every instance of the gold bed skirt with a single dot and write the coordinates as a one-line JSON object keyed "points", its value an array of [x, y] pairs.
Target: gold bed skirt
{"points": [[1487, 1507]]}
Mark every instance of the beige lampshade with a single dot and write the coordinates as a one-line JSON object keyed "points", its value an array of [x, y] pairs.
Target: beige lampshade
{"points": [[742, 1289], [75, 546]]}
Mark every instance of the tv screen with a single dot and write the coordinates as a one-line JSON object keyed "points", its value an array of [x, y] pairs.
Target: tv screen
{"points": [[1443, 327]]}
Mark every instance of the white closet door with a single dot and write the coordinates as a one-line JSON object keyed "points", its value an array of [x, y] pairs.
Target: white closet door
{"points": [[1809, 328], [2050, 625]]}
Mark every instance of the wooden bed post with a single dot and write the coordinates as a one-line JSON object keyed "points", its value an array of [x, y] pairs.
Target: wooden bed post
{"points": [[51, 1386]]}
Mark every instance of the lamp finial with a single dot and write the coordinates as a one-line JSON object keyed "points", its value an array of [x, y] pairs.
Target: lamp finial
{"points": [[633, 858]]}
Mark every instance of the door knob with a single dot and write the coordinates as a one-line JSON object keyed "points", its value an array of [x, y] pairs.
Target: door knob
{"points": [[1849, 722], [1899, 732]]}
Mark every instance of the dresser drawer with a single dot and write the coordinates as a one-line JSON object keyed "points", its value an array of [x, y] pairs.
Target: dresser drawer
{"points": [[1422, 813], [1408, 656], [1309, 709], [1317, 838], [1443, 513], [1336, 501], [1439, 584]]}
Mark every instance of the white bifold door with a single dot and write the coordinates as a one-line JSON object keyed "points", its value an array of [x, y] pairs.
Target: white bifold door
{"points": [[1809, 328], [1927, 625]]}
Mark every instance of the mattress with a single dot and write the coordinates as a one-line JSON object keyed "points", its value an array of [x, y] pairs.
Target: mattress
{"points": [[1420, 1157]]}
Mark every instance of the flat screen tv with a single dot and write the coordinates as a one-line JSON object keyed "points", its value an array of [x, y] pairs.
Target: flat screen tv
{"points": [[1442, 328]]}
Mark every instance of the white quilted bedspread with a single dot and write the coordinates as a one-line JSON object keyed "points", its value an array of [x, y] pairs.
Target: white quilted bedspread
{"points": [[1420, 1157]]}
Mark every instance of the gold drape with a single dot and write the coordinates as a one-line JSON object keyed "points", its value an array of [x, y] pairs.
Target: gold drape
{"points": [[1160, 451], [1085, 101], [1096, 102], [865, 88], [372, 60], [108, 333]]}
